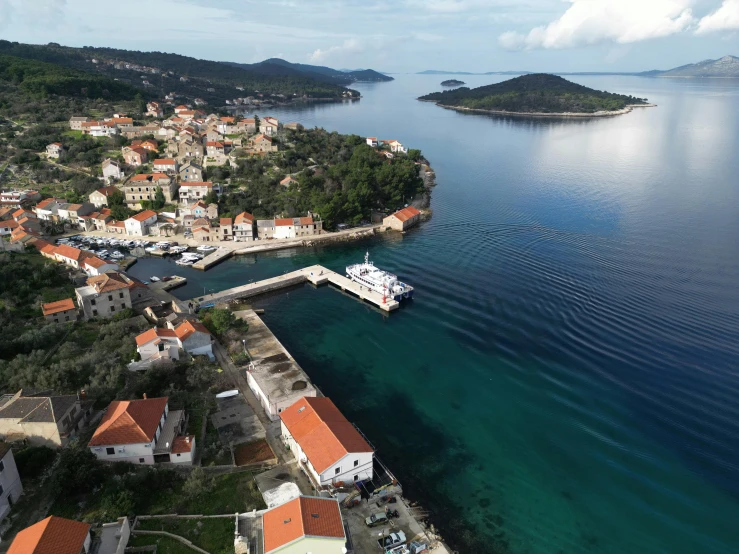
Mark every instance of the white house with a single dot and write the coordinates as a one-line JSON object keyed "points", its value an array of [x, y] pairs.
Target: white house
{"points": [[138, 225], [268, 126], [396, 147], [99, 198], [326, 445], [372, 141], [194, 191], [10, 482], [53, 534], [142, 432], [54, 150], [194, 338], [166, 165], [112, 170], [159, 344], [94, 266], [47, 210], [304, 524]]}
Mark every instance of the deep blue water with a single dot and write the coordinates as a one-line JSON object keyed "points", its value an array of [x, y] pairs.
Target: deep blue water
{"points": [[567, 378]]}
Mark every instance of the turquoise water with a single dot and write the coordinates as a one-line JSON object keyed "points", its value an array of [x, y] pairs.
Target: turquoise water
{"points": [[566, 379]]}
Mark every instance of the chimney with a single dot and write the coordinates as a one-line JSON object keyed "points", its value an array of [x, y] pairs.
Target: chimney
{"points": [[144, 396], [187, 439]]}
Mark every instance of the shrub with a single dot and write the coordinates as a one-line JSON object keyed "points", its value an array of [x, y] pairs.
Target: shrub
{"points": [[33, 460]]}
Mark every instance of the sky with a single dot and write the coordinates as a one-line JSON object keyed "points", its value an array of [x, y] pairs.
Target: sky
{"points": [[397, 36]]}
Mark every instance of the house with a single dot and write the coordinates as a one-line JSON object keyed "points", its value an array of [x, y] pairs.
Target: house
{"points": [[18, 198], [135, 156], [99, 198], [54, 150], [55, 535], [100, 219], [194, 338], [104, 295], [94, 266], [166, 165], [154, 109], [70, 213], [289, 228], [7, 227], [396, 147], [215, 149], [121, 121], [191, 173], [372, 141], [142, 431], [144, 187], [192, 191], [69, 255], [99, 128], [304, 524], [114, 536], [190, 149], [326, 445], [21, 213], [179, 109], [149, 145], [47, 210], [201, 230], [284, 228], [11, 487], [243, 227], [115, 227], [198, 210], [265, 229], [263, 143], [156, 345], [62, 311], [6, 213], [248, 125], [225, 231], [112, 170], [402, 219], [135, 132], [138, 225], [289, 180], [75, 123], [42, 420], [268, 126]]}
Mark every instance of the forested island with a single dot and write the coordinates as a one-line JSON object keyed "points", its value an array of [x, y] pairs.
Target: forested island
{"points": [[536, 94], [452, 83]]}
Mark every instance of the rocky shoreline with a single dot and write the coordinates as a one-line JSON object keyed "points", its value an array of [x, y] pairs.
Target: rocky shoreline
{"points": [[580, 115]]}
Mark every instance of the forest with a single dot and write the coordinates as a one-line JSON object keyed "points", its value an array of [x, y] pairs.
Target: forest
{"points": [[341, 178], [535, 93]]}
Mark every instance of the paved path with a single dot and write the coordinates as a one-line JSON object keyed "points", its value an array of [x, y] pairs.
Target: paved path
{"points": [[239, 380]]}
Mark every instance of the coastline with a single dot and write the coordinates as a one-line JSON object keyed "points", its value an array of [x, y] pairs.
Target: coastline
{"points": [[580, 115]]}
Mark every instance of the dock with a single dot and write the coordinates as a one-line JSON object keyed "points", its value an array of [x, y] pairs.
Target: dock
{"points": [[173, 283], [213, 258], [315, 274]]}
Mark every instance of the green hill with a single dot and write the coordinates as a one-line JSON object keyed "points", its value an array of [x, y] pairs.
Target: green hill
{"points": [[535, 93], [41, 79]]}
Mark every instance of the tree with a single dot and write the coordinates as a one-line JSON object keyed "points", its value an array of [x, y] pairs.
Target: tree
{"points": [[78, 471], [159, 200], [211, 198], [33, 460], [121, 504], [221, 320], [197, 483]]}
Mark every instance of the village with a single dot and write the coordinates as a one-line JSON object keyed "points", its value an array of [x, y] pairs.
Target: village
{"points": [[318, 484]]}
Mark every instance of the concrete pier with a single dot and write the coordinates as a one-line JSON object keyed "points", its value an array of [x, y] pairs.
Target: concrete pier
{"points": [[173, 283], [315, 274], [213, 258]]}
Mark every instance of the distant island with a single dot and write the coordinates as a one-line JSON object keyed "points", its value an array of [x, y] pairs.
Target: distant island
{"points": [[538, 94], [452, 83], [723, 68]]}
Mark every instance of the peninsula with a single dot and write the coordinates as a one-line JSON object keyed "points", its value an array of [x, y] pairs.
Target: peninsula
{"points": [[538, 94], [452, 83]]}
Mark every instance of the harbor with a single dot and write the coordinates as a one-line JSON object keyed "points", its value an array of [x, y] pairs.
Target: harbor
{"points": [[315, 274]]}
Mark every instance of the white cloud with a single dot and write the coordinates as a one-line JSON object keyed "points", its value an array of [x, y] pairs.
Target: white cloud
{"points": [[47, 13], [592, 21], [350, 46], [723, 19]]}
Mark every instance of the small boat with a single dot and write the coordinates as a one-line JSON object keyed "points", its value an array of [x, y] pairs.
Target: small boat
{"points": [[205, 248], [185, 262], [154, 279], [150, 248], [380, 281]]}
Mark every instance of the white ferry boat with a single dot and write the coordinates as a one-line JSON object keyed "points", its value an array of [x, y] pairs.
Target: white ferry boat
{"points": [[378, 280]]}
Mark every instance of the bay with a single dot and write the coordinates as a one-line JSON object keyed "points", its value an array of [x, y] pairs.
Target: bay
{"points": [[566, 378]]}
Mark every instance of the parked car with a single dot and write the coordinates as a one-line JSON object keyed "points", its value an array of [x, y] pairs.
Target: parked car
{"points": [[380, 518], [392, 540]]}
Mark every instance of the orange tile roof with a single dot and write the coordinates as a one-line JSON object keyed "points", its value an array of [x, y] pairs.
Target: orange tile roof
{"points": [[153, 334], [107, 282], [143, 216], [288, 179], [94, 261], [48, 249], [118, 224], [301, 517], [283, 222], [129, 422], [214, 143], [244, 217], [9, 224], [322, 432], [265, 137], [180, 444], [69, 252], [41, 205], [56, 307], [406, 213], [149, 176], [226, 221], [107, 191], [306, 220], [53, 535], [185, 329], [164, 161], [227, 119], [204, 229]]}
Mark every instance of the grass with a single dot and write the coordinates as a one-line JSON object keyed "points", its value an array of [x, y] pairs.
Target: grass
{"points": [[214, 452], [213, 535], [74, 134], [165, 545]]}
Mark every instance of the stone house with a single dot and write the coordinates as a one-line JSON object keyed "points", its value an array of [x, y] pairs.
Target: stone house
{"points": [[11, 487], [112, 170], [104, 295], [135, 156], [243, 227], [265, 229], [63, 311], [99, 198], [263, 143], [225, 230], [144, 186], [54, 150], [191, 173], [75, 123], [192, 191], [402, 219]]}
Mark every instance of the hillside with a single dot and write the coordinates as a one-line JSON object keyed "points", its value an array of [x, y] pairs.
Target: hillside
{"points": [[40, 79], [320, 73], [536, 93], [160, 73], [726, 68]]}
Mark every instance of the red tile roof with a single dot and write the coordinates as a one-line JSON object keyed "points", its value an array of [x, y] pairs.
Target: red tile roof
{"points": [[69, 252], [107, 191], [306, 221], [108, 282], [180, 444], [289, 179], [406, 213], [143, 216], [149, 176], [53, 535], [164, 161], [41, 205], [283, 222], [244, 217], [153, 334], [94, 261], [129, 422], [56, 307], [185, 329], [322, 432], [216, 144], [301, 517], [226, 221]]}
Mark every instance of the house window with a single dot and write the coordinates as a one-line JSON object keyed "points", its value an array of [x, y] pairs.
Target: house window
{"points": [[92, 302], [94, 313], [356, 463], [141, 460], [112, 308], [356, 477], [120, 295], [110, 297], [178, 455], [338, 470], [2, 466], [110, 451], [161, 347], [66, 318], [56, 320], [1, 490]]}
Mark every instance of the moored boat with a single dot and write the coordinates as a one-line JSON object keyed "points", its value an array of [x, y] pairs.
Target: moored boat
{"points": [[376, 279]]}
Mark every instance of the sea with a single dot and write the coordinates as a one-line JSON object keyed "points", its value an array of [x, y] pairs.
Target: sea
{"points": [[566, 379]]}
